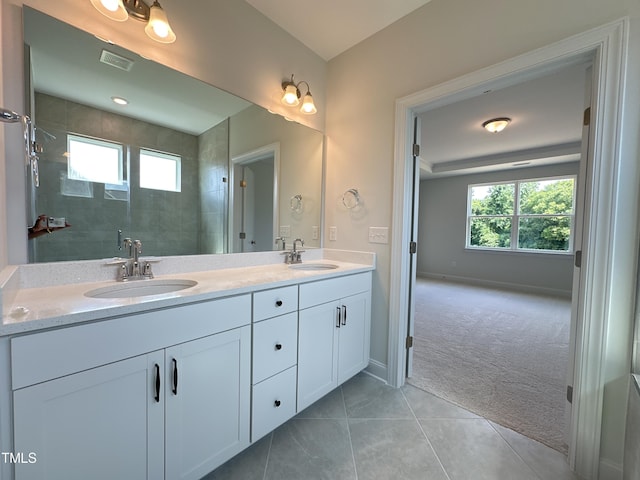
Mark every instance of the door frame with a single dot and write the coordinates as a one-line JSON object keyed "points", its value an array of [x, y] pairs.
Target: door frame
{"points": [[607, 46]]}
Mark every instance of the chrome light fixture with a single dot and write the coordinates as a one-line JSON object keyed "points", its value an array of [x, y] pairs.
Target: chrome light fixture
{"points": [[291, 96], [496, 125], [157, 27]]}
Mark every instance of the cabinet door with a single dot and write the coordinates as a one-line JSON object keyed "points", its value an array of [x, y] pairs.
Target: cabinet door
{"points": [[102, 423], [207, 402], [353, 351], [317, 358]]}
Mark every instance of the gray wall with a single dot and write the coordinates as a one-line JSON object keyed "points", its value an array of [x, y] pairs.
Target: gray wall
{"points": [[165, 222], [442, 234]]}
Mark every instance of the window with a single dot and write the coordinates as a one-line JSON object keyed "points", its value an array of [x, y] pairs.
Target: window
{"points": [[160, 171], [529, 215], [94, 160]]}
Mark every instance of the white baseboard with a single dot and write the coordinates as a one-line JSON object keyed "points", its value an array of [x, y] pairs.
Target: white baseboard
{"points": [[609, 470], [494, 284], [378, 370]]}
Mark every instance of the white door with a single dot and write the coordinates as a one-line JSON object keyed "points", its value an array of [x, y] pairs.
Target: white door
{"points": [[579, 221], [207, 402], [103, 423], [413, 245], [248, 241], [353, 347], [317, 358]]}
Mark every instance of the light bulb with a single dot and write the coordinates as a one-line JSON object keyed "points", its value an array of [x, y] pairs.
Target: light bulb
{"points": [[111, 5], [113, 9], [308, 107], [290, 96], [158, 27]]}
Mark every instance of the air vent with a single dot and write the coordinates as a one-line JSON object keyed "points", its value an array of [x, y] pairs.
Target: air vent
{"points": [[116, 60]]}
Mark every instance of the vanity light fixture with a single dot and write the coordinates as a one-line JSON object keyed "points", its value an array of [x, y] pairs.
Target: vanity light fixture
{"points": [[157, 27], [291, 96], [496, 125]]}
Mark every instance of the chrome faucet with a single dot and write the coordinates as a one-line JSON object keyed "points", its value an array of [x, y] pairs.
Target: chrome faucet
{"points": [[130, 269], [294, 255]]}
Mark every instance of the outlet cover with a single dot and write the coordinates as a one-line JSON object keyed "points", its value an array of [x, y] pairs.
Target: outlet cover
{"points": [[379, 235], [315, 232], [333, 234]]}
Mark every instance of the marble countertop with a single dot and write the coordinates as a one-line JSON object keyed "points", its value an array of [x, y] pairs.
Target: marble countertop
{"points": [[42, 307]]}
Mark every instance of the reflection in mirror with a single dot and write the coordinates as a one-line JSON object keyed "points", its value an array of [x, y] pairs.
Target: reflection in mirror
{"points": [[158, 168]]}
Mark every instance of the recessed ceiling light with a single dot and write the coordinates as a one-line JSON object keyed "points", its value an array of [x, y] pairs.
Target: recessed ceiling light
{"points": [[120, 100], [496, 125]]}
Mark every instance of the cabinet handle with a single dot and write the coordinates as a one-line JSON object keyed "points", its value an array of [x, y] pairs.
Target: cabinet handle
{"points": [[276, 403], [278, 346], [157, 395], [278, 303], [344, 314], [175, 377], [338, 316]]}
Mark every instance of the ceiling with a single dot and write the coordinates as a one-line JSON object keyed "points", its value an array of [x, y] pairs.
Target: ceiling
{"points": [[350, 21], [546, 127]]}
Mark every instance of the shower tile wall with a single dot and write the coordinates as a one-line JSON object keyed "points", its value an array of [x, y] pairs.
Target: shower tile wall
{"points": [[166, 222], [213, 154]]}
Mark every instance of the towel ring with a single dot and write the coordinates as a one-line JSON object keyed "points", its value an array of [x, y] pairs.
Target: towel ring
{"points": [[296, 203], [351, 198]]}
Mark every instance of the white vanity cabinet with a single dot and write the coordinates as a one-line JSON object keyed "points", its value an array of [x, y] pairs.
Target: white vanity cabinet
{"points": [[333, 334], [275, 354], [102, 423], [90, 402]]}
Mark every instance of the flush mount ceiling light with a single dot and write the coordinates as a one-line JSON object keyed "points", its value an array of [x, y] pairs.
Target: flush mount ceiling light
{"points": [[496, 125], [120, 100], [291, 96], [157, 27]]}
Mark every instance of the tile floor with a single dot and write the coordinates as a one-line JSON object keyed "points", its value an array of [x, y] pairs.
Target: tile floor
{"points": [[368, 430]]}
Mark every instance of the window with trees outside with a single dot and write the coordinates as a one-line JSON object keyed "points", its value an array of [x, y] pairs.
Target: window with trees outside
{"points": [[523, 215]]}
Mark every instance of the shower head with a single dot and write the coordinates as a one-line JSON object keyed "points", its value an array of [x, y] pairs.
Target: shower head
{"points": [[8, 116]]}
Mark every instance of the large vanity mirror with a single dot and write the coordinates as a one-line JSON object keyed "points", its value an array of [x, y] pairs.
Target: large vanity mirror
{"points": [[183, 166]]}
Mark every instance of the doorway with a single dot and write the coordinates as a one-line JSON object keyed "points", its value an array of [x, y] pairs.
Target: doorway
{"points": [[494, 267], [606, 46], [253, 190]]}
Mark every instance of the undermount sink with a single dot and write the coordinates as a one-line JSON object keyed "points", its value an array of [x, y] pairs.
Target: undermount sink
{"points": [[141, 288], [313, 266]]}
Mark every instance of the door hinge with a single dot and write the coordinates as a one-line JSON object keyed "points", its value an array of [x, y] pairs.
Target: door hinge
{"points": [[242, 235], [577, 258], [416, 150], [569, 393], [413, 247], [409, 341], [586, 117]]}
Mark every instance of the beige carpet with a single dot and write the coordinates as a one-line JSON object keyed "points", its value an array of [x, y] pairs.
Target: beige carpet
{"points": [[500, 354]]}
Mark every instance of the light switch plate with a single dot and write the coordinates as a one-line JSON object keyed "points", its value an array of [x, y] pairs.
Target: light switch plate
{"points": [[333, 234], [379, 235], [285, 231]]}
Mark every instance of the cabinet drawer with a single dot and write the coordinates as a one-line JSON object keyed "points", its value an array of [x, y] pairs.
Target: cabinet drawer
{"points": [[274, 402], [277, 301], [275, 345], [323, 291], [43, 356]]}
